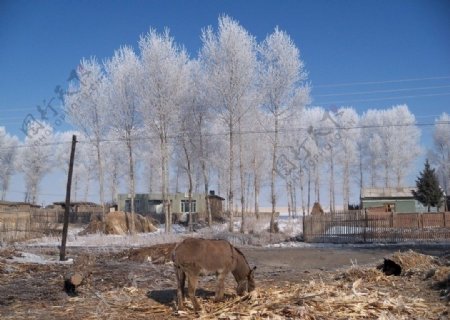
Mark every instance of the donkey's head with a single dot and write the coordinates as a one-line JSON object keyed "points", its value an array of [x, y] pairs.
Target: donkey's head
{"points": [[247, 283]]}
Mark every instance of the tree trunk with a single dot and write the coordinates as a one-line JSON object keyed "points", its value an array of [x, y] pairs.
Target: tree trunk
{"points": [[208, 204], [205, 180], [361, 181], [177, 180], [256, 186], [189, 173], [242, 180], [86, 186], [317, 181], [164, 178], [114, 183], [273, 173], [231, 177], [131, 182], [332, 202], [101, 182], [302, 192], [150, 179], [346, 185], [288, 196], [309, 190]]}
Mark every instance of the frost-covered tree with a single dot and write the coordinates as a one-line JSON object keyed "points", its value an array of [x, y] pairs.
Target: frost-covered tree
{"points": [[86, 104], [440, 154], [123, 80], [8, 154], [258, 160], [282, 87], [392, 143], [229, 59], [347, 148], [406, 144], [372, 147], [186, 152], [116, 162], [36, 157], [165, 77], [196, 116], [85, 162]]}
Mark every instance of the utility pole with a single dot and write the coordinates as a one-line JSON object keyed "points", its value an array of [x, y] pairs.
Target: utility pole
{"points": [[62, 252]]}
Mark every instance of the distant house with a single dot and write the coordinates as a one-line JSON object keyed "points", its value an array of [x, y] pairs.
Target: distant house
{"points": [[397, 200], [152, 204], [80, 211], [78, 206]]}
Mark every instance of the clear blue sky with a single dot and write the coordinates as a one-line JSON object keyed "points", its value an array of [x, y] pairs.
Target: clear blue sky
{"points": [[340, 42]]}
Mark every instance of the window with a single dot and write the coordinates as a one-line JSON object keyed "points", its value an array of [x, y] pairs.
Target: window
{"points": [[185, 206], [137, 205]]}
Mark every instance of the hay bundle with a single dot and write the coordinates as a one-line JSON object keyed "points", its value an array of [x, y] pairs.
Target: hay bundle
{"points": [[119, 223], [317, 209]]}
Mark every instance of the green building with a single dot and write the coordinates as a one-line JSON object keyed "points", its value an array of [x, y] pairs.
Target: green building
{"points": [[397, 200]]}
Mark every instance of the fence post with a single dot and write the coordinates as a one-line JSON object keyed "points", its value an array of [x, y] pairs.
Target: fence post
{"points": [[365, 225], [62, 253], [443, 216]]}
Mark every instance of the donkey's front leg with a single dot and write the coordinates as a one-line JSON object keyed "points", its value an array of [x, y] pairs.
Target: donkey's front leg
{"points": [[192, 286], [220, 286]]}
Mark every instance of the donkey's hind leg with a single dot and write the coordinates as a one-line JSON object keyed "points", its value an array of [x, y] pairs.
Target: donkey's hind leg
{"points": [[181, 277]]}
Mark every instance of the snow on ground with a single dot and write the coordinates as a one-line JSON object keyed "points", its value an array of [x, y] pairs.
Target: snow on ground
{"points": [[102, 240], [289, 226], [26, 257], [298, 244]]}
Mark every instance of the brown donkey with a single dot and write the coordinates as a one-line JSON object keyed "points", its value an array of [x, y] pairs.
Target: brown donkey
{"points": [[194, 257]]}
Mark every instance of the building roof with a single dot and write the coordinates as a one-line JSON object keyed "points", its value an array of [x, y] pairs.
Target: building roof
{"points": [[215, 196], [158, 196], [18, 203], [403, 192], [76, 203]]}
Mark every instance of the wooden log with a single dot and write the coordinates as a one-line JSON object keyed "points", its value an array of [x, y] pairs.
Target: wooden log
{"points": [[71, 283]]}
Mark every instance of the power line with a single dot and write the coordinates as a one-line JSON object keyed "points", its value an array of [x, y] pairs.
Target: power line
{"points": [[344, 84], [379, 91], [265, 131], [386, 98]]}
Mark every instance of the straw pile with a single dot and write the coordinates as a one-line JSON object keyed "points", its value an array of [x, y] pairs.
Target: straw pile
{"points": [[319, 300], [414, 261]]}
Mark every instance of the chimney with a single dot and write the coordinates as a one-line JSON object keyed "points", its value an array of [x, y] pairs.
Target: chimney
{"points": [[212, 193]]}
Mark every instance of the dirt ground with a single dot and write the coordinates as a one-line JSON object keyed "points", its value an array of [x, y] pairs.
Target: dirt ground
{"points": [[291, 264], [124, 284]]}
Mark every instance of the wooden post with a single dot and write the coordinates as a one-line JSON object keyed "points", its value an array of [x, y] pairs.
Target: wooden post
{"points": [[62, 252], [443, 216]]}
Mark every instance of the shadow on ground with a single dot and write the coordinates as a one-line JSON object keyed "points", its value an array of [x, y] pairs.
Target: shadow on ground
{"points": [[168, 296]]}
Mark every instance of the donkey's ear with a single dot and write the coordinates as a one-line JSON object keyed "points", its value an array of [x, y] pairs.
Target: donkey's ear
{"points": [[252, 270]]}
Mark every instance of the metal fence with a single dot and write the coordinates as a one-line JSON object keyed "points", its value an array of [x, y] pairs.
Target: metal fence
{"points": [[364, 227]]}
